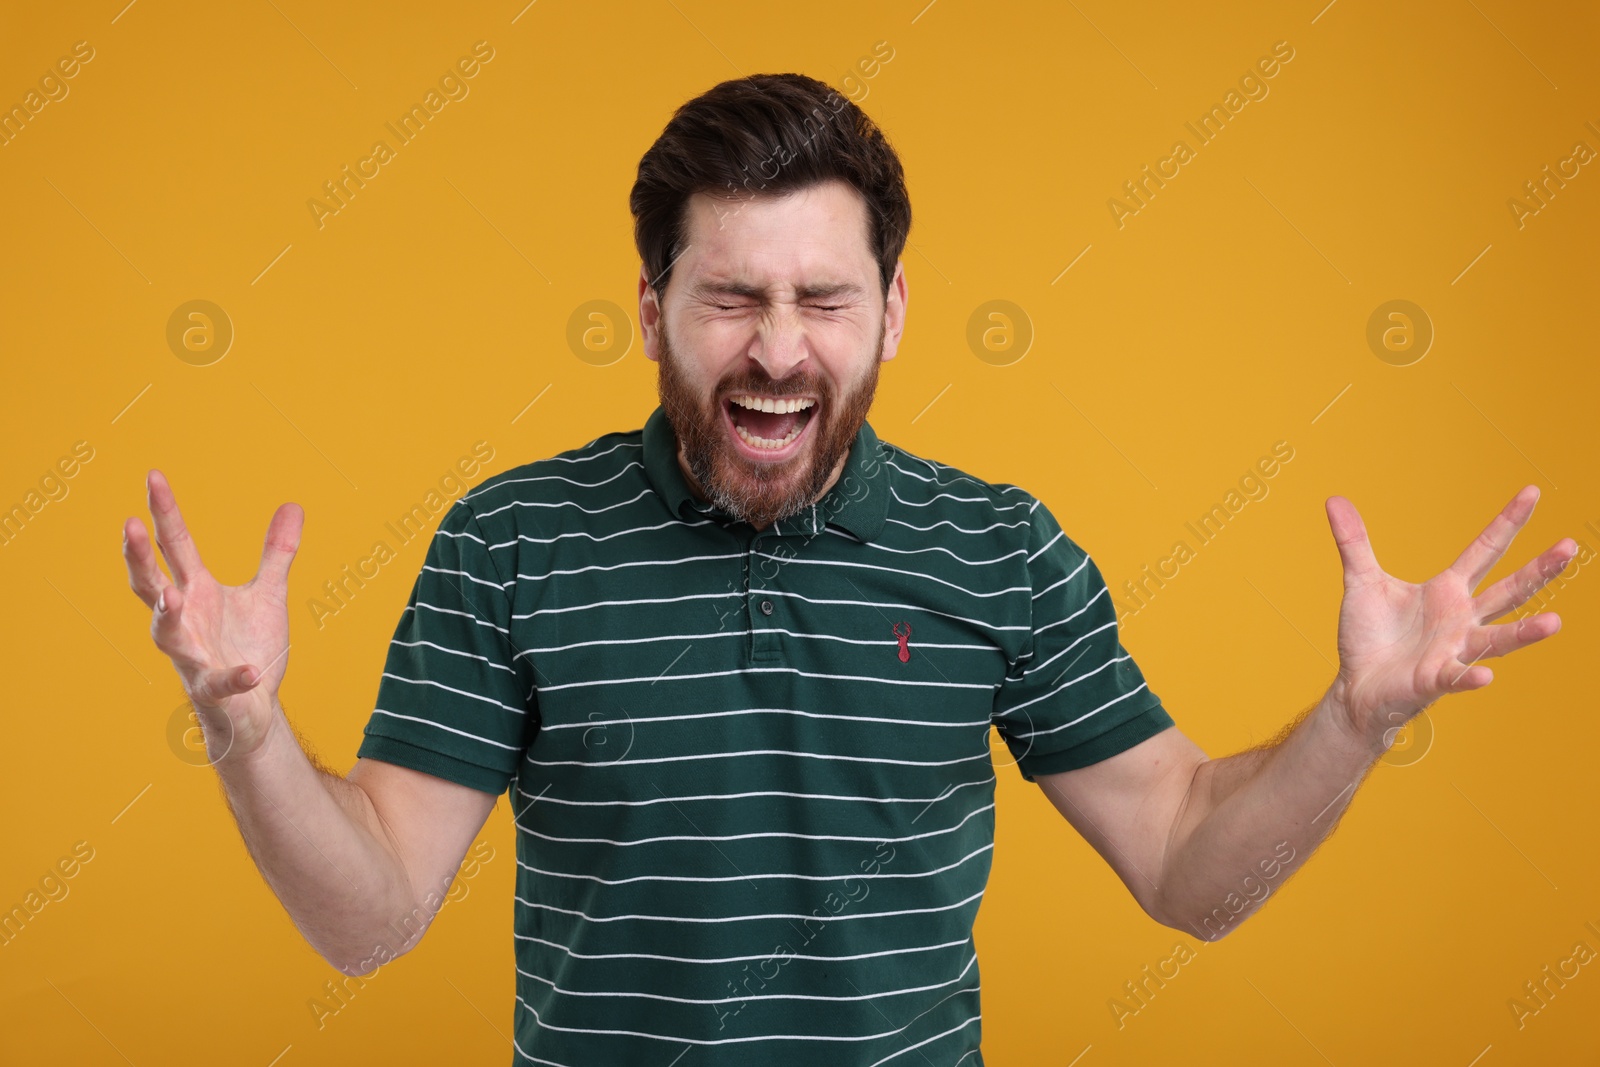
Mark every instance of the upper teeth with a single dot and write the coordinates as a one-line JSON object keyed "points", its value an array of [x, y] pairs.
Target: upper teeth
{"points": [[782, 407]]}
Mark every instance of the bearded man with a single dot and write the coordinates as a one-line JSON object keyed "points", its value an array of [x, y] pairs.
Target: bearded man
{"points": [[737, 669]]}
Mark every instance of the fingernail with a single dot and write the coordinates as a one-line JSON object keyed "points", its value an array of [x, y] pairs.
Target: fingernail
{"points": [[161, 601]]}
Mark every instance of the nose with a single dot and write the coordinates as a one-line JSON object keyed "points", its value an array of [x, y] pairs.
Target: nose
{"points": [[780, 342]]}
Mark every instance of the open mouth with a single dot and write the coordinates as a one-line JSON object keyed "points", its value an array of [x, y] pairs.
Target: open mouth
{"points": [[769, 426]]}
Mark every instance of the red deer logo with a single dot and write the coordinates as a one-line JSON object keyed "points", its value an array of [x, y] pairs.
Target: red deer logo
{"points": [[905, 641]]}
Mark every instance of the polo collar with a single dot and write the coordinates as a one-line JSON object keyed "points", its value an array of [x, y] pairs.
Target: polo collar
{"points": [[857, 502]]}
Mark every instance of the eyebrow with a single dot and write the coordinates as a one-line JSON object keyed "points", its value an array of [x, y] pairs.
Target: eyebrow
{"points": [[805, 292]]}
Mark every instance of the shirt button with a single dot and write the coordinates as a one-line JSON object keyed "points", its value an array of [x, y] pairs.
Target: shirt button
{"points": [[766, 607]]}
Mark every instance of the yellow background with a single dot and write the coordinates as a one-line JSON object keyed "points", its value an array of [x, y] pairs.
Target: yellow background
{"points": [[1229, 313]]}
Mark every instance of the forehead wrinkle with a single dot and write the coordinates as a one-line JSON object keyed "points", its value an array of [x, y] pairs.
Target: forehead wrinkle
{"points": [[807, 290]]}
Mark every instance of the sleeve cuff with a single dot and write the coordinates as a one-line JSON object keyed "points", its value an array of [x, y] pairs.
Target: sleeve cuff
{"points": [[389, 750], [1119, 738]]}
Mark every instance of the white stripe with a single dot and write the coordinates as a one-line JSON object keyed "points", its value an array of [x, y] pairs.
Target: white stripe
{"points": [[1069, 648], [1058, 655], [943, 1033], [470, 655], [757, 996], [921, 478], [929, 548], [750, 877], [533, 1058], [936, 466], [561, 459], [597, 538], [868, 642], [650, 720], [763, 834], [622, 604], [647, 491], [960, 476], [742, 1040], [960, 529], [1080, 718], [890, 570], [1097, 670], [651, 679], [449, 729], [1101, 592], [567, 458], [756, 752], [881, 605], [461, 533], [842, 917], [1065, 580], [632, 563], [719, 960], [497, 586], [501, 630], [582, 485], [548, 799], [1059, 535], [959, 499], [452, 689]]}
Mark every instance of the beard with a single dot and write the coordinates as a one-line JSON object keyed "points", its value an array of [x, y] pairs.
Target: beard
{"points": [[762, 493]]}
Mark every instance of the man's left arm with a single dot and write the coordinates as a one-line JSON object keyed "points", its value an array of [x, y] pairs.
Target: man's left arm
{"points": [[1201, 843]]}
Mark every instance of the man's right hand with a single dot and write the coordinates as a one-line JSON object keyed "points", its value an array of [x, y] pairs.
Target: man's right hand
{"points": [[230, 644]]}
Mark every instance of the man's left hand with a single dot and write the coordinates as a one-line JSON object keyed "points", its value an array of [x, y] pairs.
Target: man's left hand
{"points": [[1403, 645]]}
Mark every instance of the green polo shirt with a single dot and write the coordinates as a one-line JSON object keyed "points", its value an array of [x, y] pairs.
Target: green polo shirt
{"points": [[751, 772]]}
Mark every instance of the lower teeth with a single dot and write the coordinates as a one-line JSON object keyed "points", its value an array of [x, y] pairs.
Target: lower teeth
{"points": [[762, 442]]}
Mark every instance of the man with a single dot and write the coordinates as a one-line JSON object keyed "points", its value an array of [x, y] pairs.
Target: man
{"points": [[737, 669]]}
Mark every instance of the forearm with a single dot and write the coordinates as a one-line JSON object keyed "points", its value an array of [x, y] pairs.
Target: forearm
{"points": [[1251, 820], [322, 849]]}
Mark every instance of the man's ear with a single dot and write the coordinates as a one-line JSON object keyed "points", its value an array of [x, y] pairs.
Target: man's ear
{"points": [[649, 315], [894, 312]]}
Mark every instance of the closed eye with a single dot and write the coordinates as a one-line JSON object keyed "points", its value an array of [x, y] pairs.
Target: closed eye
{"points": [[815, 307]]}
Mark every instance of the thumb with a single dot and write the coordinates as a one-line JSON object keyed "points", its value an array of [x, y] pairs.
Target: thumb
{"points": [[1350, 534], [214, 685]]}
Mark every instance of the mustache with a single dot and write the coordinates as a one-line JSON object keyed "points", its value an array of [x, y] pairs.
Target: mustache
{"points": [[767, 386]]}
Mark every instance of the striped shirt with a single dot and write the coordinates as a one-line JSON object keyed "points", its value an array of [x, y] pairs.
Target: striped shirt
{"points": [[751, 771]]}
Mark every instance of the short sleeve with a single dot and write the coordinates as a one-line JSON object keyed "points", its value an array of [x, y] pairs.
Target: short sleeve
{"points": [[455, 700], [1074, 696]]}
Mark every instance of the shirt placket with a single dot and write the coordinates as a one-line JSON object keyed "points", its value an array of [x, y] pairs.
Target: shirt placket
{"points": [[761, 607]]}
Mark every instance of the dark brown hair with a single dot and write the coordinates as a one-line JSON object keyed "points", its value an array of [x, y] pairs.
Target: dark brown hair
{"points": [[767, 133]]}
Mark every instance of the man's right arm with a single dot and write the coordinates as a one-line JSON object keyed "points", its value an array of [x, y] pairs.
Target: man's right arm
{"points": [[361, 863]]}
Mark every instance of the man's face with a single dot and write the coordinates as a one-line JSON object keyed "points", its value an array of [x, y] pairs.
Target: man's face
{"points": [[774, 303]]}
